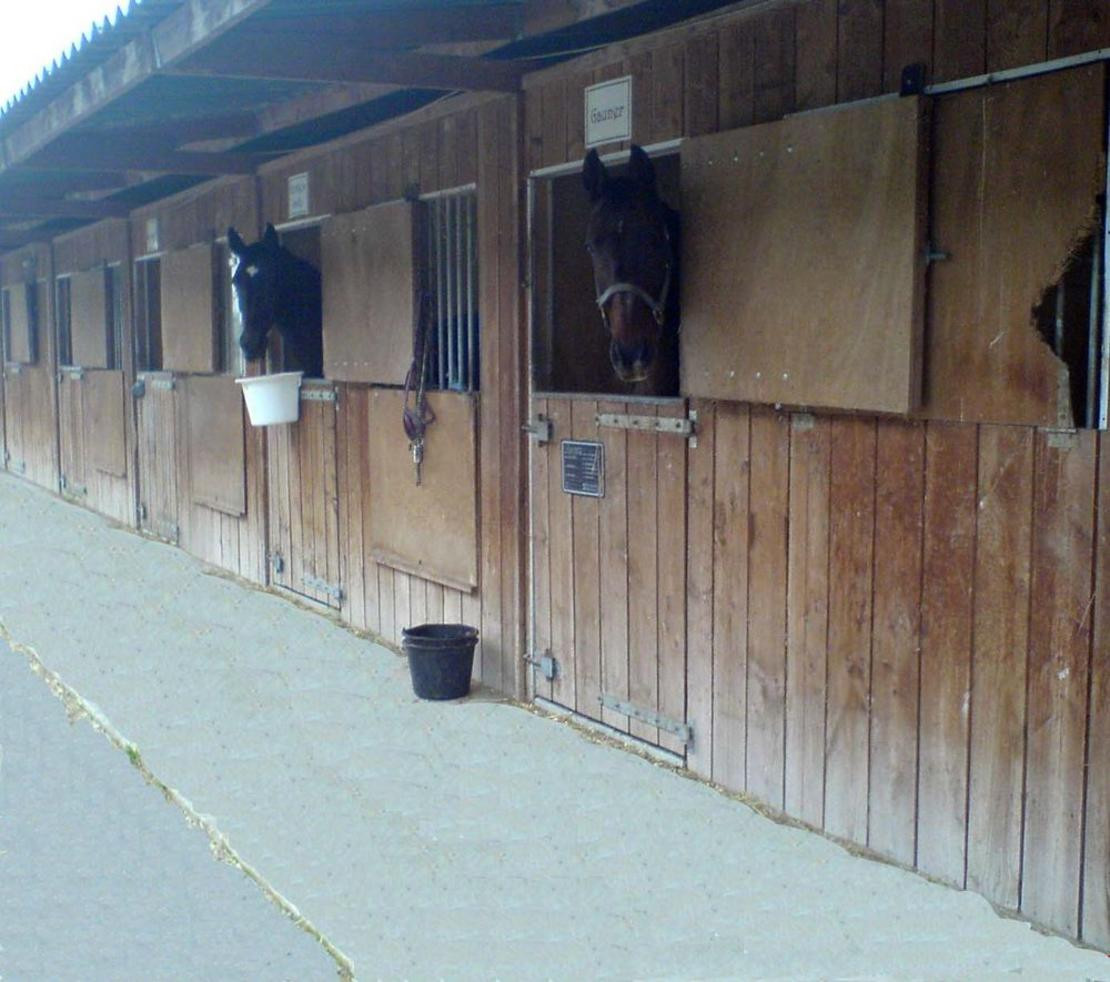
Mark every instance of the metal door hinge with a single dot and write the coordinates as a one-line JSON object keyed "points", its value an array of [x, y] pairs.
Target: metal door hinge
{"points": [[681, 730], [683, 426], [546, 663], [324, 587], [541, 429]]}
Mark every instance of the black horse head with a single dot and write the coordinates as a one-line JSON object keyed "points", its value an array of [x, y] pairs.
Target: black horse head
{"points": [[275, 288], [632, 239]]}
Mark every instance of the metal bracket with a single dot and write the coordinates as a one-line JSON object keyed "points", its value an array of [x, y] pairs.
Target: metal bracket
{"points": [[13, 368], [935, 255], [681, 730], [323, 586], [671, 425], [319, 395], [546, 663], [166, 384], [277, 563], [74, 373], [541, 429], [138, 390], [1063, 439]]}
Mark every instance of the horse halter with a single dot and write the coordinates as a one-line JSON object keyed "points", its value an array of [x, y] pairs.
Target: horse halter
{"points": [[658, 307]]}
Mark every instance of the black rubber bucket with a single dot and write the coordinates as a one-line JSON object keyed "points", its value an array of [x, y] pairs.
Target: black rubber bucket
{"points": [[441, 658]]}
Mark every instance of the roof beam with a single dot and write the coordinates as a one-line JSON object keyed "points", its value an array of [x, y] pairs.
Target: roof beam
{"points": [[411, 27], [300, 59], [101, 155], [173, 39], [21, 206]]}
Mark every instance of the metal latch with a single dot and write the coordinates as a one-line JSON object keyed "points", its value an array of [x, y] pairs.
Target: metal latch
{"points": [[541, 429], [935, 255], [546, 663], [683, 426], [277, 563], [163, 383], [138, 390], [324, 587], [681, 730]]}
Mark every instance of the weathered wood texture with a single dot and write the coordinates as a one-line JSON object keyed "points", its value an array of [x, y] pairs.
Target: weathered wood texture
{"points": [[88, 325], [216, 453], [30, 390], [818, 301], [188, 310]]}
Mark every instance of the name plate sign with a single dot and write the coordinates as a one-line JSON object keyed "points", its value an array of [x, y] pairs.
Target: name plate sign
{"points": [[609, 111], [583, 468]]}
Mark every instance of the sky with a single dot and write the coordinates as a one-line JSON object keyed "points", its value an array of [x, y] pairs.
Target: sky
{"points": [[37, 32]]}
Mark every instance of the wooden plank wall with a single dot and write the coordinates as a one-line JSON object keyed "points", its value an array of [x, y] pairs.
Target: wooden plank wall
{"points": [[236, 543], [30, 398], [472, 141], [113, 495], [895, 631]]}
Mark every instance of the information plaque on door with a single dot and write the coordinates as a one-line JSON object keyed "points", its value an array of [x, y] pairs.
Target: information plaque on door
{"points": [[584, 468]]}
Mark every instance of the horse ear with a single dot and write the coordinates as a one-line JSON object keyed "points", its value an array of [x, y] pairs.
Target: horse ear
{"points": [[593, 175], [641, 170], [235, 241], [270, 239]]}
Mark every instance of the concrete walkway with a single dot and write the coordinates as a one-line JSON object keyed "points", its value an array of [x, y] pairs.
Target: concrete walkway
{"points": [[466, 840]]}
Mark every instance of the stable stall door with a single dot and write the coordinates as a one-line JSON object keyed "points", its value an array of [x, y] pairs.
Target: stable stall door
{"points": [[158, 438], [609, 563], [304, 500]]}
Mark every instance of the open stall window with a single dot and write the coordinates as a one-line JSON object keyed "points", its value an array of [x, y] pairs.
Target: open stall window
{"points": [[451, 234], [229, 319], [303, 240], [148, 315], [570, 346], [65, 326], [113, 302]]}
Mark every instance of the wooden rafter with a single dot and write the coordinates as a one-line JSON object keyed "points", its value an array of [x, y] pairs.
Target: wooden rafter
{"points": [[100, 151], [21, 206], [301, 58], [384, 29]]}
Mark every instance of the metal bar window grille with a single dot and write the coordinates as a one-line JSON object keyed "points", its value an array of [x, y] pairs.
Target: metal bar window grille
{"points": [[453, 289]]}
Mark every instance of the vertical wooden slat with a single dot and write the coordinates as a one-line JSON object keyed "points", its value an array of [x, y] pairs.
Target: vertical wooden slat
{"points": [[418, 601], [1076, 26], [554, 133], [998, 666], [643, 120], [851, 571], [959, 39], [643, 575], [330, 465], [435, 605], [816, 52], [402, 604], [807, 621], [587, 579], [562, 560], [731, 483], [353, 409], [774, 64], [736, 74], [386, 604], [699, 592], [1095, 928], [613, 538], [575, 111], [767, 565], [907, 39], [859, 50], [671, 586], [702, 84], [1059, 665], [543, 456], [667, 67], [1017, 33], [896, 636], [946, 623]]}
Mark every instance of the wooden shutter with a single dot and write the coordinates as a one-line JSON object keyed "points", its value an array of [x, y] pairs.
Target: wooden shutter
{"points": [[20, 347], [188, 311], [371, 282], [430, 529], [88, 320], [217, 456], [804, 259]]}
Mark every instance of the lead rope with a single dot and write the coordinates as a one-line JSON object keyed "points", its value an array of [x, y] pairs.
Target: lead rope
{"points": [[419, 416]]}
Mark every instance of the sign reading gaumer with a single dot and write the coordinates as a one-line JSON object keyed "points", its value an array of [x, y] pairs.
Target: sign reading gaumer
{"points": [[609, 111]]}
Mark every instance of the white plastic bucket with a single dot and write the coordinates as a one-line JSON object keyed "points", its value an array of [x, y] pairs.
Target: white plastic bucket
{"points": [[272, 398]]}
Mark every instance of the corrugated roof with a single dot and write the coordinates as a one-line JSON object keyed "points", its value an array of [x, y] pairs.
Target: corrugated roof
{"points": [[96, 46]]}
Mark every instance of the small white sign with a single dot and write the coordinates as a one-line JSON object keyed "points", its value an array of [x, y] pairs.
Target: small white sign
{"points": [[609, 111], [152, 237], [298, 195]]}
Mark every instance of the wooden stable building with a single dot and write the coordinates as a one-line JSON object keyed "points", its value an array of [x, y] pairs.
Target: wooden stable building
{"points": [[859, 569]]}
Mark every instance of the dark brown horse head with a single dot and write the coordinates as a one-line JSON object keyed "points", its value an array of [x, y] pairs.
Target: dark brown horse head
{"points": [[632, 242]]}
